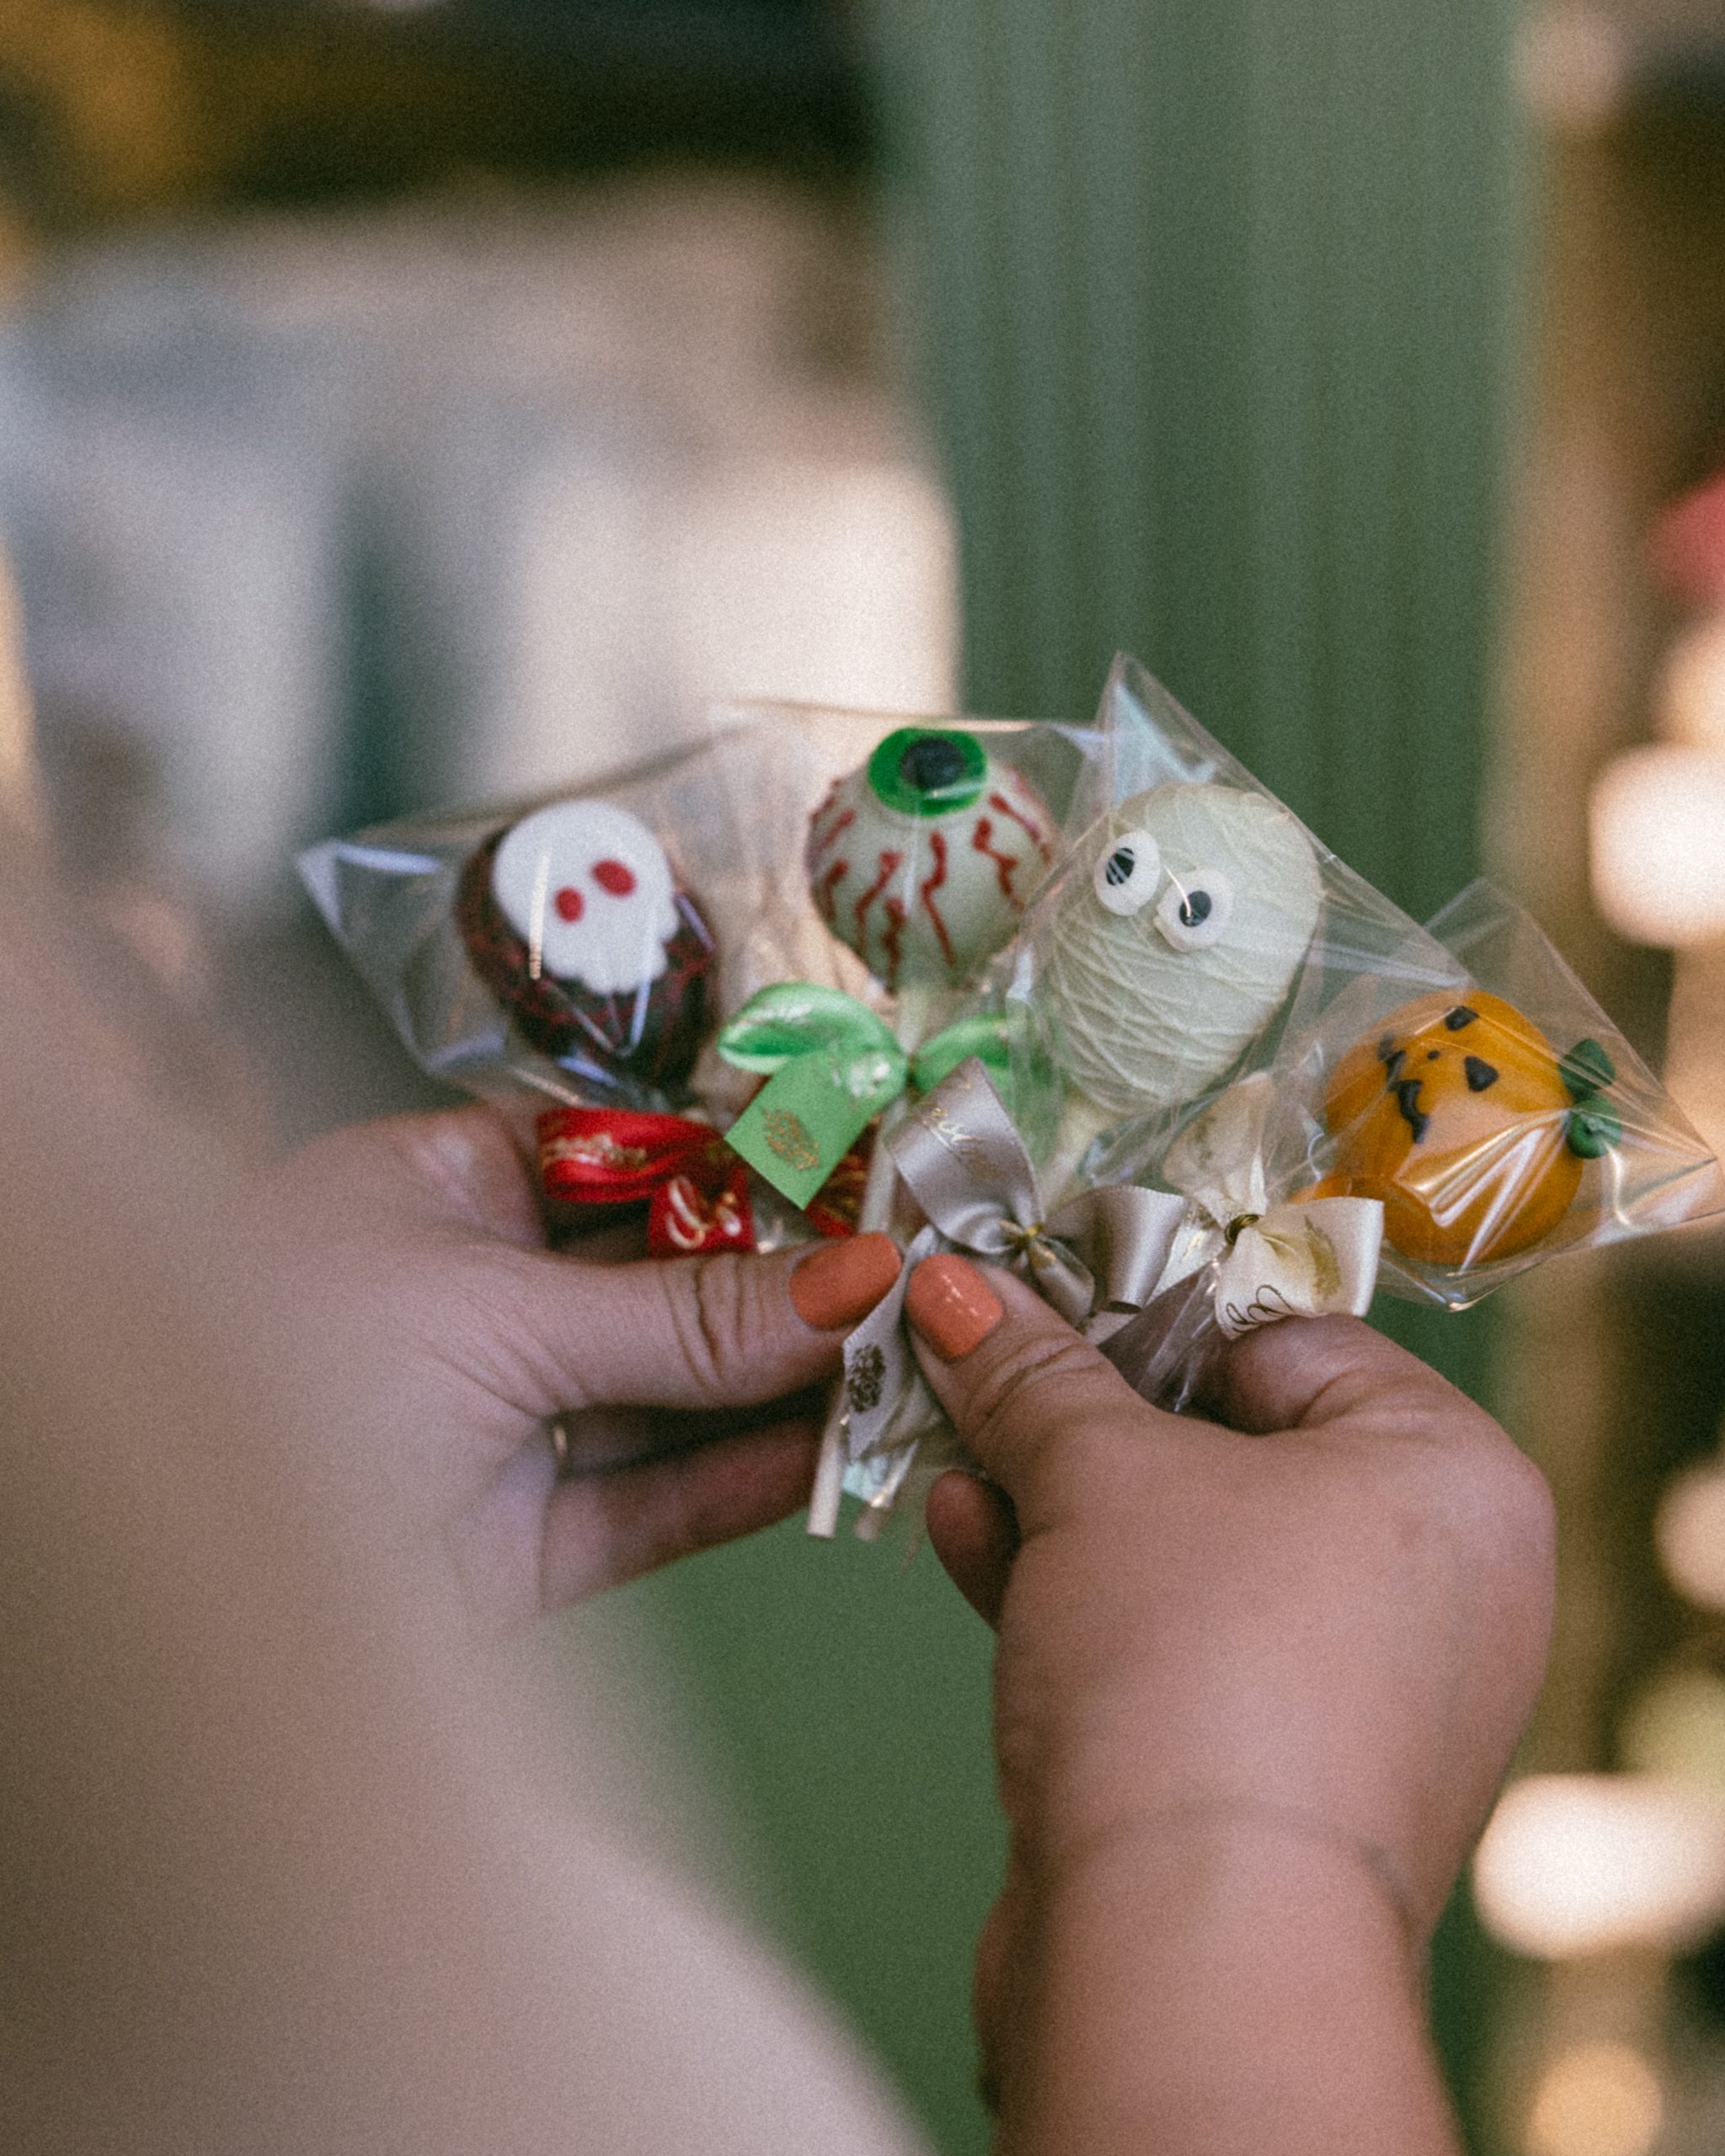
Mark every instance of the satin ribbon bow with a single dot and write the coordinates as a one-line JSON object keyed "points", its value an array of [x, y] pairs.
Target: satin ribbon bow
{"points": [[696, 1190], [957, 1150], [832, 1064], [1106, 1253], [1305, 1257]]}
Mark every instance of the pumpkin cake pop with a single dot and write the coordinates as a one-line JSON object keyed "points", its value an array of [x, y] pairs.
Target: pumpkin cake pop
{"points": [[1461, 1117]]}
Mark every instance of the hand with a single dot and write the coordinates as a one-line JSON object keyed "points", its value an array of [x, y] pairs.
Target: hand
{"points": [[687, 1390], [1296, 1644]]}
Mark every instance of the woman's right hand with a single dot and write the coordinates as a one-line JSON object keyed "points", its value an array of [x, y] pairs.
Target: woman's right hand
{"points": [[1257, 1681]]}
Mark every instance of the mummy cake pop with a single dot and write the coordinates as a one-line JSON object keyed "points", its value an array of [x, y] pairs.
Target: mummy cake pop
{"points": [[574, 919], [923, 861], [1177, 935]]}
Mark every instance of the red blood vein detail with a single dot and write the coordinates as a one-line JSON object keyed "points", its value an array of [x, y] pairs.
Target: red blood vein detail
{"points": [[889, 865], [825, 892], [839, 824], [929, 886], [1033, 829], [1005, 865], [894, 940]]}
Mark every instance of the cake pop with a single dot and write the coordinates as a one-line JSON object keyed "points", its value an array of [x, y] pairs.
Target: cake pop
{"points": [[922, 863], [575, 919], [1463, 1119], [922, 860], [1179, 928]]}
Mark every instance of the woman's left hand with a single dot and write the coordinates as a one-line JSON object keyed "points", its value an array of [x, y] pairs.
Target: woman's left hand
{"points": [[687, 1391]]}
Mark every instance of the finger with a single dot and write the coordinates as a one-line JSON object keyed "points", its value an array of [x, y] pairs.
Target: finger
{"points": [[1025, 1392], [599, 1440], [468, 1166], [974, 1533], [602, 1529], [723, 1330], [1312, 1373]]}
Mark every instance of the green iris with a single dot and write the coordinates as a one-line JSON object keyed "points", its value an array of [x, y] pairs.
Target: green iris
{"points": [[923, 771]]}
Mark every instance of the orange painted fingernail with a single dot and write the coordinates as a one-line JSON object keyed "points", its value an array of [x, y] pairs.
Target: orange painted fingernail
{"points": [[952, 1306], [842, 1282]]}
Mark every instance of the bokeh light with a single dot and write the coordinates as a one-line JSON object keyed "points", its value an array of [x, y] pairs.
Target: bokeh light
{"points": [[1597, 2100], [1658, 869], [1689, 1536], [1674, 1727], [1582, 1864]]}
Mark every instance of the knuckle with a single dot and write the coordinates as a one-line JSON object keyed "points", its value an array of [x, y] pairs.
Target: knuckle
{"points": [[1028, 1387], [710, 1305]]}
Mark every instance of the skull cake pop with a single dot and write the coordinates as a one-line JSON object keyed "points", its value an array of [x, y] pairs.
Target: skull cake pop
{"points": [[922, 860], [574, 919], [1177, 934]]}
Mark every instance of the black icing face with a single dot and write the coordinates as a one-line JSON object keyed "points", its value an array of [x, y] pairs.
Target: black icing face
{"points": [[1127, 876]]}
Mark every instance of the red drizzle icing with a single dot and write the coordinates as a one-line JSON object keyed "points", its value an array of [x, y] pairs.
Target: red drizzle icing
{"points": [[840, 824], [1032, 829], [937, 846], [894, 939], [826, 899], [1005, 865], [889, 865]]}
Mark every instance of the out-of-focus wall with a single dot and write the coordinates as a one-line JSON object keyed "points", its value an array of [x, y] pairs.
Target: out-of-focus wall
{"points": [[329, 517]]}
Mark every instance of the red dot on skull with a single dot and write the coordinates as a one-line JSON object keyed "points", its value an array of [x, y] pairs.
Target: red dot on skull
{"points": [[569, 904], [613, 877]]}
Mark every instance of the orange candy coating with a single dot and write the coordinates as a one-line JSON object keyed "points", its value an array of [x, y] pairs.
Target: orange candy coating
{"points": [[1455, 1115]]}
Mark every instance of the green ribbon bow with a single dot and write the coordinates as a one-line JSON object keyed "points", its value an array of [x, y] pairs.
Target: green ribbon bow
{"points": [[832, 1065]]}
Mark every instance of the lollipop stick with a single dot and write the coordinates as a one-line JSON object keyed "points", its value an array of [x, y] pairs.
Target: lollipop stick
{"points": [[1082, 1123], [873, 1215]]}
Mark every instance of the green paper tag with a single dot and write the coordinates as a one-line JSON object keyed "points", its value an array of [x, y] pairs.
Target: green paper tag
{"points": [[802, 1122]]}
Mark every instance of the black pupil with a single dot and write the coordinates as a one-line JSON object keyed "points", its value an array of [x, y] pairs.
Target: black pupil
{"points": [[1196, 907], [931, 764], [1121, 864]]}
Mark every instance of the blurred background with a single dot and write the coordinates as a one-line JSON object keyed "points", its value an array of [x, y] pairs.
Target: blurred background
{"points": [[404, 402]]}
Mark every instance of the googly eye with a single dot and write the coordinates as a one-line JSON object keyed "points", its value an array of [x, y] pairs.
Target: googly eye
{"points": [[1126, 876], [1195, 909]]}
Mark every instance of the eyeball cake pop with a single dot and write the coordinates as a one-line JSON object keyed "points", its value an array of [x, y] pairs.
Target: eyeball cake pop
{"points": [[923, 861], [574, 919], [1177, 933]]}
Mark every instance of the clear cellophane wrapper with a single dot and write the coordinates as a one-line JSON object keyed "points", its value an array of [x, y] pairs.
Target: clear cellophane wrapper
{"points": [[1456, 1074], [541, 979], [1206, 1003]]}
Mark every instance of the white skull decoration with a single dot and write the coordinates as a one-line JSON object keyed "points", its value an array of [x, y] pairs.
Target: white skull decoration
{"points": [[588, 889]]}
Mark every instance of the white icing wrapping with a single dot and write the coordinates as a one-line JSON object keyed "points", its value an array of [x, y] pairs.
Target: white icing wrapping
{"points": [[1144, 1025]]}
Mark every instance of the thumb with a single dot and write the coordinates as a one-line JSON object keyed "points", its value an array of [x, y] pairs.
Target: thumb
{"points": [[1030, 1398], [727, 1330]]}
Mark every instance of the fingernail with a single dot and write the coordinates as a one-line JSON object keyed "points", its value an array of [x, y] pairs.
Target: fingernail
{"points": [[842, 1282], [952, 1306]]}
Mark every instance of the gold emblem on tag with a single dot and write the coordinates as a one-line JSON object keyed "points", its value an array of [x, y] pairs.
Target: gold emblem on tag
{"points": [[788, 1135], [862, 1386]]}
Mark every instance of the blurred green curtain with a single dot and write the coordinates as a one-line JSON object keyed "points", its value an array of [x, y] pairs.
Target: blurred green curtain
{"points": [[1211, 302]]}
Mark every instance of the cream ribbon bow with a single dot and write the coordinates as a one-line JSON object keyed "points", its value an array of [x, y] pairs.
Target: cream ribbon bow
{"points": [[1308, 1258]]}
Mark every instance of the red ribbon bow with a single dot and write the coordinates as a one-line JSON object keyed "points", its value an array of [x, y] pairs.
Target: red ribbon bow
{"points": [[696, 1189]]}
